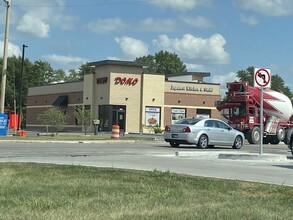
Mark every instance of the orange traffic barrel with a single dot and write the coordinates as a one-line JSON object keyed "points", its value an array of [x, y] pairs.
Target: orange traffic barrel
{"points": [[115, 132], [21, 133]]}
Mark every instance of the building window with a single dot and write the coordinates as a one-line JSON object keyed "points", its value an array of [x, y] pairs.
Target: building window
{"points": [[177, 114], [204, 113], [153, 116]]}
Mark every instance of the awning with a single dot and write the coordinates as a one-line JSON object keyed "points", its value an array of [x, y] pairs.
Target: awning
{"points": [[228, 105], [61, 101]]}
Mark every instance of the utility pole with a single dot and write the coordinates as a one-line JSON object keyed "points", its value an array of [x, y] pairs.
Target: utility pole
{"points": [[21, 87], [5, 52]]}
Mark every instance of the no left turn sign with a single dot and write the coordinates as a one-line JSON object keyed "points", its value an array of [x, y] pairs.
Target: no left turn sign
{"points": [[262, 78]]}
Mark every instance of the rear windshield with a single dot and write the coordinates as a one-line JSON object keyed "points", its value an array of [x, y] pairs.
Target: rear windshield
{"points": [[189, 121]]}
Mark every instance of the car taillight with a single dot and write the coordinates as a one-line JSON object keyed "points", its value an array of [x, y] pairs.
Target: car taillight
{"points": [[187, 129], [167, 128]]}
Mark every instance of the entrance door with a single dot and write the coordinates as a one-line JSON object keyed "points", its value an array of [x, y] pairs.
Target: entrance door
{"points": [[118, 116], [121, 120]]}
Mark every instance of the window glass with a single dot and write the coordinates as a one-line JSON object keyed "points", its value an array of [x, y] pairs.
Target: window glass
{"points": [[153, 116], [222, 125], [177, 114], [189, 121]]}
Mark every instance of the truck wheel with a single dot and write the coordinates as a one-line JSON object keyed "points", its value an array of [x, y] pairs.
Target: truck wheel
{"points": [[288, 134], [253, 135], [281, 134], [274, 141], [290, 145], [266, 140]]}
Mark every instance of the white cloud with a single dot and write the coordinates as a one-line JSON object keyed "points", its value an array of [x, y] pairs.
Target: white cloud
{"points": [[267, 7], [12, 49], [65, 60], [34, 26], [44, 17], [159, 25], [195, 67], [113, 58], [102, 26], [198, 22], [64, 22], [132, 47], [182, 5], [189, 47], [251, 20]]}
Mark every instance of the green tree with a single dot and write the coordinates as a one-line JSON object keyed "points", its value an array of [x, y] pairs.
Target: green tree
{"points": [[162, 62], [44, 72], [53, 117], [58, 75], [73, 76], [277, 83], [246, 75], [84, 117], [85, 69]]}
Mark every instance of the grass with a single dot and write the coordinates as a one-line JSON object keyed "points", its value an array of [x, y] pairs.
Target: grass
{"points": [[46, 191]]}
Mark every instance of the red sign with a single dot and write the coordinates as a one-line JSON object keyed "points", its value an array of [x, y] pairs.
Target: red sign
{"points": [[102, 80], [262, 78], [125, 81]]}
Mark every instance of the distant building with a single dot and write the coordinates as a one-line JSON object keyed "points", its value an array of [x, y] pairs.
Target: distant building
{"points": [[118, 92]]}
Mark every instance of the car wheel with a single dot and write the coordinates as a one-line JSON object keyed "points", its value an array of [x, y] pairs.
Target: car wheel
{"points": [[174, 144], [202, 141], [238, 142]]}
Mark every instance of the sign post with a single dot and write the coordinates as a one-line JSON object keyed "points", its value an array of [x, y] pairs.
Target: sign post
{"points": [[262, 79]]}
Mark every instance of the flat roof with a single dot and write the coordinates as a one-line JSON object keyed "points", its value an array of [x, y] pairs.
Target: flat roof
{"points": [[116, 62], [202, 74]]}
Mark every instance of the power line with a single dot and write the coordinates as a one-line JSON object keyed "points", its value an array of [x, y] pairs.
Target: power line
{"points": [[83, 5]]}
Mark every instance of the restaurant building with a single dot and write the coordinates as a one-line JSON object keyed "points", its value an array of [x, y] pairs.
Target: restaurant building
{"points": [[119, 93]]}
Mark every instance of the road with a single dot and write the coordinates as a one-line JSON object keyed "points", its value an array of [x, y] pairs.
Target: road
{"points": [[155, 155]]}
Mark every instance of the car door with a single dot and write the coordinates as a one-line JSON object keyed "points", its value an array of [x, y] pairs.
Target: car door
{"points": [[212, 133], [227, 136]]}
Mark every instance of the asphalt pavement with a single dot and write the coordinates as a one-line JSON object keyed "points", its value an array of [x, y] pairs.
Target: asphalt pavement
{"points": [[154, 154]]}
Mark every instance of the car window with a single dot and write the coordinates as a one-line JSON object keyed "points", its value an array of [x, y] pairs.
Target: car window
{"points": [[208, 124], [189, 121], [223, 125], [216, 124]]}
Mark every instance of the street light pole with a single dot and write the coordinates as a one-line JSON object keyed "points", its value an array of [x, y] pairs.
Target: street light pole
{"points": [[21, 87], [5, 52]]}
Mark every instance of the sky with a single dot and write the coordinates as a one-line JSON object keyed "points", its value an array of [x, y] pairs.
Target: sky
{"points": [[216, 36]]}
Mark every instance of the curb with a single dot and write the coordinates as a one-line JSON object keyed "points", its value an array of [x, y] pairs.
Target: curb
{"points": [[232, 156], [254, 156]]}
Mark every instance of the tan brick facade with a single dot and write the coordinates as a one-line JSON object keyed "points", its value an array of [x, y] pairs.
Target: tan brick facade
{"points": [[118, 92]]}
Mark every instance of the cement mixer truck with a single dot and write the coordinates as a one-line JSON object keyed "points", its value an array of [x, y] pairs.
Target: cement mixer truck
{"points": [[241, 108]]}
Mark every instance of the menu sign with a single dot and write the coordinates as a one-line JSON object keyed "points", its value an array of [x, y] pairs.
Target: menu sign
{"points": [[152, 116]]}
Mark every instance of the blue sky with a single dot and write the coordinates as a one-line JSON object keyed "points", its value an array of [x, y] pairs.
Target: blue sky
{"points": [[216, 36]]}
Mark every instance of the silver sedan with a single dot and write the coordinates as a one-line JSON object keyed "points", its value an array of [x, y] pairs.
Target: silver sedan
{"points": [[203, 132]]}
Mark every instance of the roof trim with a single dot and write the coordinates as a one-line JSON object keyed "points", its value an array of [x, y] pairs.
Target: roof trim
{"points": [[116, 62], [202, 74]]}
